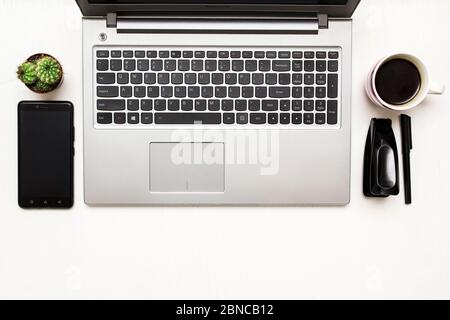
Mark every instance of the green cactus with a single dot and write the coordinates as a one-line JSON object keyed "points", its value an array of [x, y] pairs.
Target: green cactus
{"points": [[42, 86], [27, 73], [48, 71]]}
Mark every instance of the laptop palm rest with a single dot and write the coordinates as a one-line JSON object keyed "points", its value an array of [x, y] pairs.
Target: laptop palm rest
{"points": [[187, 167]]}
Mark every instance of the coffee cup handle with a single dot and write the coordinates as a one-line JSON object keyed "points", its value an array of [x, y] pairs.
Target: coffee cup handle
{"points": [[436, 88]]}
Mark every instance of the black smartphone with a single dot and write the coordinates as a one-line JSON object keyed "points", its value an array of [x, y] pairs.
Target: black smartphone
{"points": [[46, 152]]}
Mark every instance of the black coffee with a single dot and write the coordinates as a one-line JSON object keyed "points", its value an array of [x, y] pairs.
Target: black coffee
{"points": [[397, 81]]}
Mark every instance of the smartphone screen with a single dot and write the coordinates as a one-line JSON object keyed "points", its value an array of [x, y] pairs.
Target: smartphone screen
{"points": [[46, 153]]}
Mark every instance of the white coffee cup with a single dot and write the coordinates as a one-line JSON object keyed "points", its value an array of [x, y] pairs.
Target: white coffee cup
{"points": [[426, 87]]}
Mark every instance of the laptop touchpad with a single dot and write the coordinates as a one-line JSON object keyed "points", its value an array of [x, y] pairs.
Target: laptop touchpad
{"points": [[187, 167]]}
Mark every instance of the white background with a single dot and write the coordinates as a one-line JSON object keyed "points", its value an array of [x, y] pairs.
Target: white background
{"points": [[369, 249]]}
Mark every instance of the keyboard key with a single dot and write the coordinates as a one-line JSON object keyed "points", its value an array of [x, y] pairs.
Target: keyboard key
{"points": [[164, 54], [211, 54], [309, 65], [285, 105], [128, 54], [194, 92], [234, 92], [271, 78], [163, 78], [207, 92], [285, 118], [240, 105], [320, 118], [184, 65], [235, 54], [296, 118], [264, 65], [227, 105], [297, 105], [217, 78], [281, 65], [333, 55], [238, 65], [224, 54], [177, 78], [261, 92], [309, 92], [104, 118], [272, 118], [106, 78], [188, 54], [284, 55], [153, 91], [309, 79], [214, 105], [133, 105], [149, 78], [332, 80], [170, 65], [111, 104], [175, 54], [143, 65], [297, 66], [247, 92], [180, 92], [254, 105], [129, 65], [321, 66], [242, 118], [199, 54], [332, 112], [120, 117], [271, 55], [224, 65], [257, 118], [190, 78], [333, 66], [188, 118], [156, 65], [126, 91], [320, 92], [160, 105], [173, 105], [251, 65], [228, 118], [297, 55], [279, 92], [244, 78], [200, 105], [197, 65], [146, 118], [152, 54], [221, 92], [309, 55], [284, 79], [107, 92], [102, 65], [260, 55], [139, 54], [320, 105], [167, 91], [270, 105], [308, 105], [204, 78], [136, 78], [146, 105], [231, 78], [140, 92], [321, 79], [116, 54], [321, 55], [187, 105], [257, 78], [297, 79], [308, 118], [133, 118], [297, 92], [247, 54]]}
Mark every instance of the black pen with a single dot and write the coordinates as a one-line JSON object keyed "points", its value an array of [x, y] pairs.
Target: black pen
{"points": [[405, 124]]}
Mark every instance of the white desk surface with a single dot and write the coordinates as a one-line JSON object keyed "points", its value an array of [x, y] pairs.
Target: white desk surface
{"points": [[369, 249]]}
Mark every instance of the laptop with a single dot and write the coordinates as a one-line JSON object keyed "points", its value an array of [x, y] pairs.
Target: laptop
{"points": [[217, 102]]}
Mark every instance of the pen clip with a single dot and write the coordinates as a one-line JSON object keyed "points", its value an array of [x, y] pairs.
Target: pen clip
{"points": [[405, 122]]}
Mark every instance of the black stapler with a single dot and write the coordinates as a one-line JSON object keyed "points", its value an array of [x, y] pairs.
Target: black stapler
{"points": [[381, 178]]}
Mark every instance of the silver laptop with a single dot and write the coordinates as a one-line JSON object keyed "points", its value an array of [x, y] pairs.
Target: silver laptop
{"points": [[217, 102]]}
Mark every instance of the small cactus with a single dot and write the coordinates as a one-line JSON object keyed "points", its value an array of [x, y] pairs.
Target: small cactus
{"points": [[41, 73], [48, 70], [27, 73]]}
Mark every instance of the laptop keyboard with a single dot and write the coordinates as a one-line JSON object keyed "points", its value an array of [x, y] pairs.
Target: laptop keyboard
{"points": [[157, 87]]}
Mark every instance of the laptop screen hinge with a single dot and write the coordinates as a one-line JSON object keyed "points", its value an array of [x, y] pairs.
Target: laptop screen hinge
{"points": [[111, 20], [323, 20]]}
